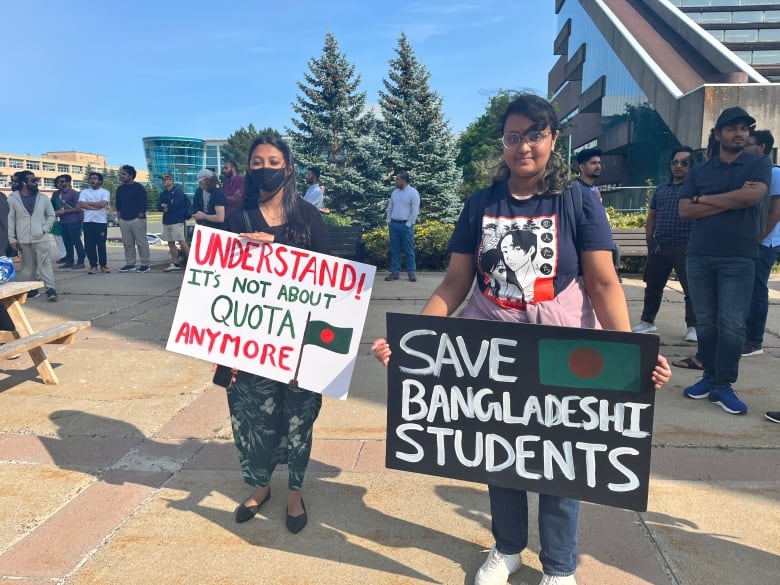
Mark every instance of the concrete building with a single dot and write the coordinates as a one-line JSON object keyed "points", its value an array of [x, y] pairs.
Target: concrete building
{"points": [[183, 157], [637, 78], [50, 165]]}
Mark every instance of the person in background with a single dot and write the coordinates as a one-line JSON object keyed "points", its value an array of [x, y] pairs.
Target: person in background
{"points": [[761, 142], [173, 203], [281, 414], [667, 238], [724, 198], [314, 194], [30, 217], [71, 220], [93, 201], [56, 229], [132, 202], [402, 211], [233, 186], [531, 186], [209, 203]]}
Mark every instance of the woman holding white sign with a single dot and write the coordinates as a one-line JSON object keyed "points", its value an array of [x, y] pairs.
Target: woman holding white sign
{"points": [[273, 421], [530, 194]]}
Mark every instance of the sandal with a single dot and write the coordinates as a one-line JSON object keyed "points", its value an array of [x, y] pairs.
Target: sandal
{"points": [[689, 363]]}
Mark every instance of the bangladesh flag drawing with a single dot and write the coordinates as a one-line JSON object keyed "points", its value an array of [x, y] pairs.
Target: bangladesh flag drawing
{"points": [[325, 335], [598, 365]]}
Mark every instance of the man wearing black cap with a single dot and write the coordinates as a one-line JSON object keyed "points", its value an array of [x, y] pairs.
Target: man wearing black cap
{"points": [[725, 198]]}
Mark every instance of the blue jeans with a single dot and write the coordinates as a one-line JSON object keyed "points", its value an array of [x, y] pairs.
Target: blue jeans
{"points": [[401, 236], [720, 288], [759, 302], [558, 521]]}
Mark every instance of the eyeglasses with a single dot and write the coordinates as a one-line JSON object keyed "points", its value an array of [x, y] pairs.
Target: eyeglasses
{"points": [[514, 139], [681, 163]]}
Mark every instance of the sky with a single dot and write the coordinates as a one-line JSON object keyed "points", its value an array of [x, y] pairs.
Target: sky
{"points": [[98, 76]]}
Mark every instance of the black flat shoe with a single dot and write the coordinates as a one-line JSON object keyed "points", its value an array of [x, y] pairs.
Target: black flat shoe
{"points": [[244, 513], [296, 523]]}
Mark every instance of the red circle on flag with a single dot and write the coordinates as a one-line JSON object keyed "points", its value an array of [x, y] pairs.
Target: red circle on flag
{"points": [[585, 362], [326, 335]]}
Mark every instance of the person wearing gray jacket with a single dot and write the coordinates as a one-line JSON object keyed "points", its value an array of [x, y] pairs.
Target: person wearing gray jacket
{"points": [[30, 217]]}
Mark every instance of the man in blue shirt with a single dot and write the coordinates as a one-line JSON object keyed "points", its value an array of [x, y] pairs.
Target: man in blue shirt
{"points": [[402, 213], [761, 142], [667, 238], [724, 198]]}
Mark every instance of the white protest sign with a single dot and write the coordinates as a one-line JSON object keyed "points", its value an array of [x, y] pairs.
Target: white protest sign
{"points": [[284, 313]]}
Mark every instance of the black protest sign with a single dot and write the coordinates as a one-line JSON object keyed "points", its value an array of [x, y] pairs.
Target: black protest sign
{"points": [[555, 410]]}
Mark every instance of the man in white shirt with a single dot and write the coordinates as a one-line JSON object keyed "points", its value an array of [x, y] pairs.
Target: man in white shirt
{"points": [[94, 200], [402, 211], [314, 194]]}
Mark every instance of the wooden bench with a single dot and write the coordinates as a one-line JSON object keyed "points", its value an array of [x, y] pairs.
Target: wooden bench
{"points": [[62, 334], [347, 242], [631, 241]]}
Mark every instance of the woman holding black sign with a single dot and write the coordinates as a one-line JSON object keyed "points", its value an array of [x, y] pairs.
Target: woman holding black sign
{"points": [[273, 421], [529, 194]]}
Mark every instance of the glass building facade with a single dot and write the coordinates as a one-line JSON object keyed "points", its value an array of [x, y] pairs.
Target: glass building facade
{"points": [[183, 157], [750, 28]]}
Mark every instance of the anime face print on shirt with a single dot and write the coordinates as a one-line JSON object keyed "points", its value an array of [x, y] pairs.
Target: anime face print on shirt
{"points": [[518, 259]]}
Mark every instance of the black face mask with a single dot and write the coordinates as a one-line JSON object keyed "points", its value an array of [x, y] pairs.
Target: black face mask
{"points": [[269, 180]]}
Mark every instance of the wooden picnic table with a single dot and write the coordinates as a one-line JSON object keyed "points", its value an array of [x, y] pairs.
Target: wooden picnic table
{"points": [[12, 296]]}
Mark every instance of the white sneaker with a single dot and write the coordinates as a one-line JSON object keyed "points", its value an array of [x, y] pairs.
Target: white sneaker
{"points": [[644, 327], [171, 268], [551, 580], [690, 335], [497, 568]]}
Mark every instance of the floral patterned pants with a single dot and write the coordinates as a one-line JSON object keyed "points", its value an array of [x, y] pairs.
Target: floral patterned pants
{"points": [[272, 424]]}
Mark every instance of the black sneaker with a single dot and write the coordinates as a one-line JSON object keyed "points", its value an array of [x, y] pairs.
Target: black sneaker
{"points": [[32, 294], [79, 266], [127, 268], [51, 294], [61, 261], [773, 415], [141, 269]]}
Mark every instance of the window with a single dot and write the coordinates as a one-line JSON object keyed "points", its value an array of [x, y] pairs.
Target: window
{"points": [[772, 16], [48, 183], [82, 184], [77, 169], [48, 167], [16, 163], [3, 162], [766, 57], [716, 18], [63, 168], [33, 165], [717, 34], [749, 17], [741, 36], [764, 35]]}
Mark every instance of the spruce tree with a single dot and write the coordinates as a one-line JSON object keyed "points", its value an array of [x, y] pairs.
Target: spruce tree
{"points": [[335, 132], [236, 147], [415, 136]]}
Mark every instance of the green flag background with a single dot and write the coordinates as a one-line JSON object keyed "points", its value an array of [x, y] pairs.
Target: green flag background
{"points": [[325, 335], [589, 364]]}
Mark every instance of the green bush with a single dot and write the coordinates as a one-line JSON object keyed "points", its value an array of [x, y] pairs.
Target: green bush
{"points": [[626, 220], [334, 219], [430, 246]]}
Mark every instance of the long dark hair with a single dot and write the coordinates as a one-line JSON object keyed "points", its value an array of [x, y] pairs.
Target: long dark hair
{"points": [[297, 230], [553, 179]]}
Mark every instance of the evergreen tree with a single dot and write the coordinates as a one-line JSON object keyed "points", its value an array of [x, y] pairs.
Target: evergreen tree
{"points": [[335, 132], [416, 137], [237, 145]]}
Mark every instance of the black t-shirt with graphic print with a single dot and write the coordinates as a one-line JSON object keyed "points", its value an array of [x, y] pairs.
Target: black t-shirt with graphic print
{"points": [[524, 251]]}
